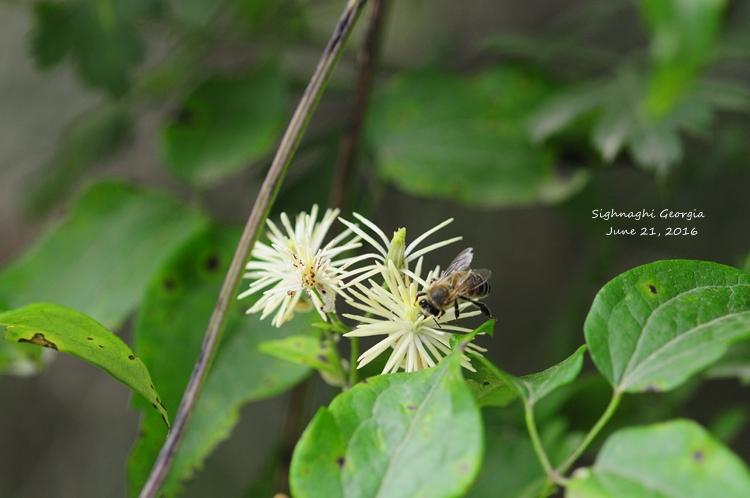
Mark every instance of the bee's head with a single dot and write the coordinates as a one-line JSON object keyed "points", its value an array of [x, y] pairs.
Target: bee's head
{"points": [[427, 308]]}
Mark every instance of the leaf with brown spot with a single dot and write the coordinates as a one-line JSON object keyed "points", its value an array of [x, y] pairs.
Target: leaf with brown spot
{"points": [[397, 436], [167, 338], [672, 459], [642, 340], [68, 331]]}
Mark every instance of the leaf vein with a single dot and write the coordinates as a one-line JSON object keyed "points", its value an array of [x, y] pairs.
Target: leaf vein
{"points": [[412, 426]]}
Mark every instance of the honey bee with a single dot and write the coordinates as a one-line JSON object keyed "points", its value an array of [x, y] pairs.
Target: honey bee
{"points": [[458, 281]]}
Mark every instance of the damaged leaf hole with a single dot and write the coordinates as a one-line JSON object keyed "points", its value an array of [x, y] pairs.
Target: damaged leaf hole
{"points": [[211, 263], [341, 461], [169, 284], [653, 289], [131, 357], [699, 456], [40, 340]]}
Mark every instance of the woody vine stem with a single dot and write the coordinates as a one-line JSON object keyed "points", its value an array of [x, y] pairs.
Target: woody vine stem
{"points": [[260, 211]]}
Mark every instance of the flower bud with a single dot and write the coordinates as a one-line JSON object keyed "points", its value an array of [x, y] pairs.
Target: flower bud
{"points": [[396, 251]]}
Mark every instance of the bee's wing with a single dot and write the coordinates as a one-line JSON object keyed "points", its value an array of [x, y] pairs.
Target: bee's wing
{"points": [[484, 275], [461, 263]]}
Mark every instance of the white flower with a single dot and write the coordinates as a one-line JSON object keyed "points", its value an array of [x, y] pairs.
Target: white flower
{"points": [[388, 248], [418, 342], [295, 262]]}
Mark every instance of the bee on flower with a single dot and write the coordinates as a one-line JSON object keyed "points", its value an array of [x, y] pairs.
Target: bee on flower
{"points": [[295, 270], [417, 340]]}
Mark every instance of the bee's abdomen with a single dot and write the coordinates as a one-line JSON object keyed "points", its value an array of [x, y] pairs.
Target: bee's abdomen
{"points": [[480, 287]]}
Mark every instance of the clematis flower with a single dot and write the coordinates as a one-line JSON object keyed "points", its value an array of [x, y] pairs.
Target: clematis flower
{"points": [[417, 342], [296, 264]]}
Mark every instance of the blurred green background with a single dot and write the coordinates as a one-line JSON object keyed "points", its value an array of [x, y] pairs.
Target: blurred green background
{"points": [[515, 118]]}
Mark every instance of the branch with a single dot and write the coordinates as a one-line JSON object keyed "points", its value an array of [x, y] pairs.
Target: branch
{"points": [[348, 147]]}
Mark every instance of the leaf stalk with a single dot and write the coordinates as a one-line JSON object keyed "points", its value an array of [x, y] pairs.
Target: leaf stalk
{"points": [[613, 404]]}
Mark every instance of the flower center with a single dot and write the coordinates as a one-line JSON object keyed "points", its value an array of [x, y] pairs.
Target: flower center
{"points": [[308, 271]]}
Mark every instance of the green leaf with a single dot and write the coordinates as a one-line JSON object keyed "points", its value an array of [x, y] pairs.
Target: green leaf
{"points": [[564, 107], [289, 20], [398, 435], [226, 125], [104, 45], [91, 138], [194, 13], [444, 136], [620, 122], [552, 49], [510, 467], [734, 363], [491, 392], [677, 459], [729, 423], [101, 259], [531, 388], [684, 39], [18, 359], [654, 326], [168, 336], [69, 331], [309, 351]]}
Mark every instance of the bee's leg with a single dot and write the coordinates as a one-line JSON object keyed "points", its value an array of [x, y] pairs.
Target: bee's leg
{"points": [[482, 307], [455, 307], [439, 315]]}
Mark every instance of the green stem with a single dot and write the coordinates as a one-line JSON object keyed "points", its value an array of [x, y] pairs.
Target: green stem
{"points": [[535, 440], [336, 356], [262, 206], [547, 488], [353, 355], [539, 449], [337, 324], [613, 403]]}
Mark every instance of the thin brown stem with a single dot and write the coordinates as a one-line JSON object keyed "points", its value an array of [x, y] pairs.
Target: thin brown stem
{"points": [[295, 414], [349, 145], [262, 206]]}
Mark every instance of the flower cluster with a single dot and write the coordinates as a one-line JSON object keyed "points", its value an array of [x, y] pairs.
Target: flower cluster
{"points": [[418, 341], [296, 271]]}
